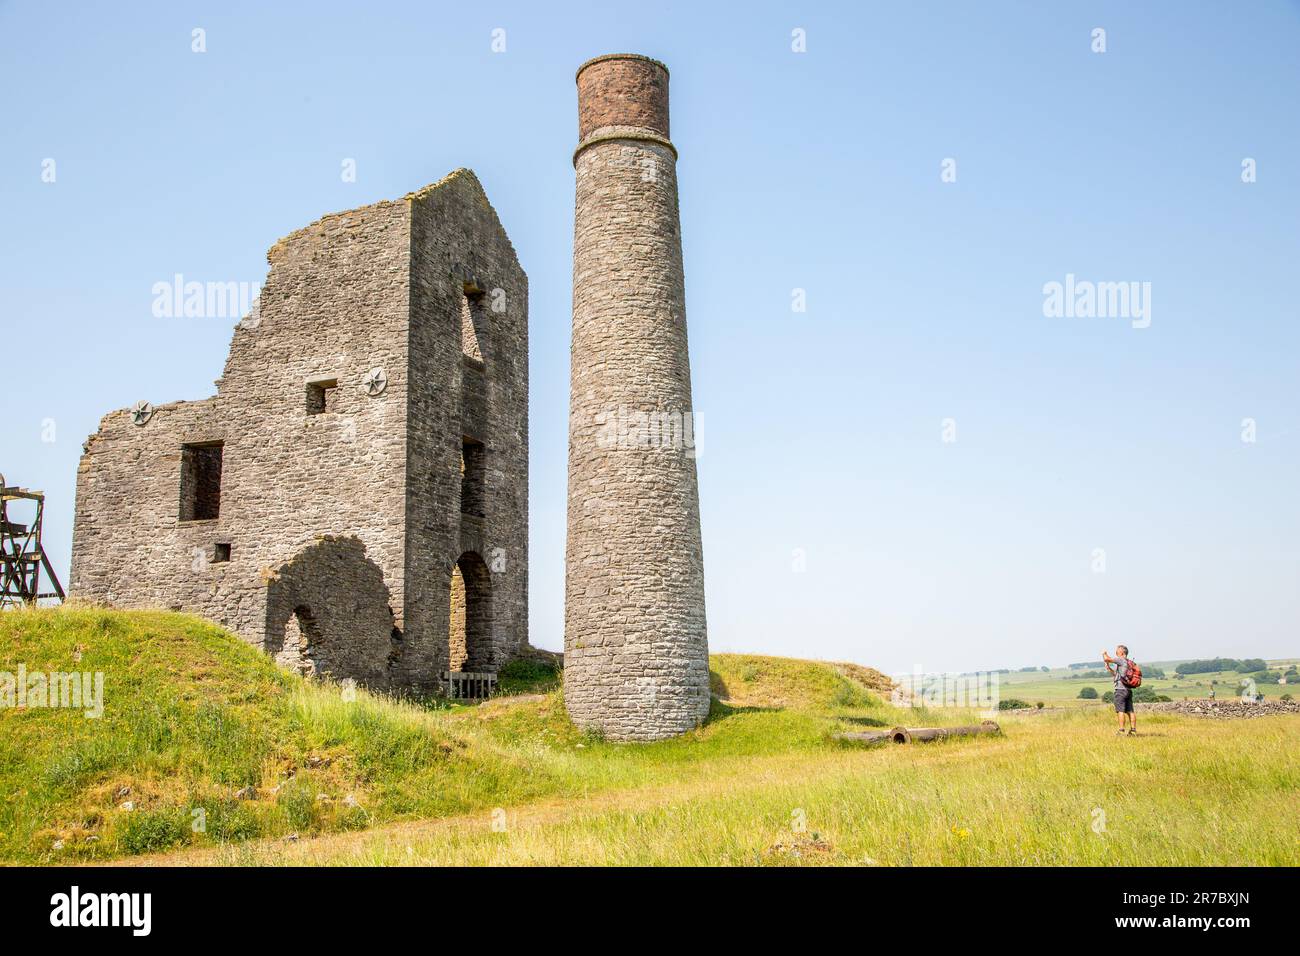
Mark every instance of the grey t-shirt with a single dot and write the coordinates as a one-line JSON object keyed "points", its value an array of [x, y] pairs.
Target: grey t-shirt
{"points": [[1121, 668]]}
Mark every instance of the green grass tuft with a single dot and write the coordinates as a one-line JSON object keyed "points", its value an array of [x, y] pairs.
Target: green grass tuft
{"points": [[528, 677]]}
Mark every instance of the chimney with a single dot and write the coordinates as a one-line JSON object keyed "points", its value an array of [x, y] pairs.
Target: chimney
{"points": [[636, 653]]}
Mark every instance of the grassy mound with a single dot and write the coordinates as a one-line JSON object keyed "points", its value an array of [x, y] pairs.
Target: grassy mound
{"points": [[750, 680], [204, 741]]}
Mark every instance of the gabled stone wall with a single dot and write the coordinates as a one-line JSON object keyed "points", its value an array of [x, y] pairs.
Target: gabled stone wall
{"points": [[341, 506]]}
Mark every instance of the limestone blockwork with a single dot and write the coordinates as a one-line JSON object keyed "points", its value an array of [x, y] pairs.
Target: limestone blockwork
{"points": [[636, 652], [319, 504]]}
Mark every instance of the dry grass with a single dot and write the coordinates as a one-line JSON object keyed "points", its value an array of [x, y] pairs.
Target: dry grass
{"points": [[1050, 792]]}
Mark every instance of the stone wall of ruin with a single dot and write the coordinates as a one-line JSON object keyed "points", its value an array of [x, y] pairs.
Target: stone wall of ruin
{"points": [[455, 396], [340, 505]]}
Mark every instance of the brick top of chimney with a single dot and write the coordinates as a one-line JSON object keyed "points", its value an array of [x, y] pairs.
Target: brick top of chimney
{"points": [[625, 90]]}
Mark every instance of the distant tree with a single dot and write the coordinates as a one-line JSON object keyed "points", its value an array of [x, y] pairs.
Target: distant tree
{"points": [[1088, 693], [1109, 697], [1205, 667], [1012, 703], [1286, 697], [1223, 664], [1146, 695], [1039, 705]]}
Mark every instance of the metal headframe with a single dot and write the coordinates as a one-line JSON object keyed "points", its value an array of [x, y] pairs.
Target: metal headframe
{"points": [[21, 555]]}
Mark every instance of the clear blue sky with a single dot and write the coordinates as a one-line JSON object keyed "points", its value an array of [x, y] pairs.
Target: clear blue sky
{"points": [[821, 430]]}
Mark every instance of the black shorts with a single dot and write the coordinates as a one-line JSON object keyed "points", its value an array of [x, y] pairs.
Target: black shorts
{"points": [[1123, 700]]}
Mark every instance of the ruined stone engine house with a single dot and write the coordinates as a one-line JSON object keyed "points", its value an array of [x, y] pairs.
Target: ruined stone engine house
{"points": [[354, 497]]}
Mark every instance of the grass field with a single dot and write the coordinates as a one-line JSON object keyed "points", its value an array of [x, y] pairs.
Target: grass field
{"points": [[199, 728], [1060, 686]]}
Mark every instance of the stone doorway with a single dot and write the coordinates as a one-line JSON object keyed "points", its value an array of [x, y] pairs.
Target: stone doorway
{"points": [[470, 634]]}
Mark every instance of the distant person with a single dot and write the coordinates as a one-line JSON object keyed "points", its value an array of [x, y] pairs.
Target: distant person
{"points": [[1211, 693], [1118, 666]]}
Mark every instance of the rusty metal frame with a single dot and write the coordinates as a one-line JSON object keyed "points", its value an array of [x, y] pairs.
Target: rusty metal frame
{"points": [[21, 555]]}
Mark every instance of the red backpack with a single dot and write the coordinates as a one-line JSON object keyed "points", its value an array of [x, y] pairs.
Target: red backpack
{"points": [[1132, 674]]}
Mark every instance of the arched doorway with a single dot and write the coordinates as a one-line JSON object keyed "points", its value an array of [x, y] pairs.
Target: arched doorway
{"points": [[470, 633]]}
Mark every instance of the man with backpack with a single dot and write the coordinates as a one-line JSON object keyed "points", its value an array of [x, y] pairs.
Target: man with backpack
{"points": [[1127, 676]]}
